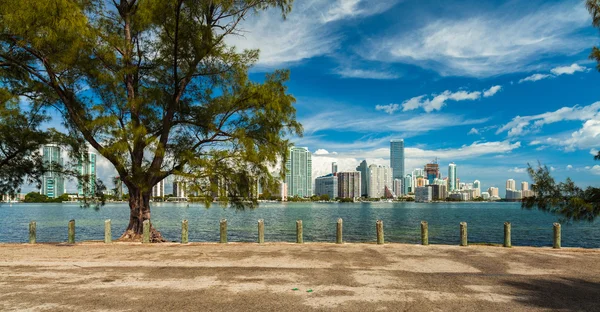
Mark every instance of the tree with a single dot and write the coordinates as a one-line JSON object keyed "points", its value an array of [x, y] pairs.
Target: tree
{"points": [[593, 7], [20, 139], [564, 199], [155, 89]]}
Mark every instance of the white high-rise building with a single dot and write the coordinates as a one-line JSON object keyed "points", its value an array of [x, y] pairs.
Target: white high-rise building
{"points": [[452, 177], [327, 185], [299, 172], [380, 180], [334, 168], [53, 182], [179, 187], [86, 166], [511, 184], [524, 186], [408, 184], [398, 187], [477, 188], [493, 191], [159, 189]]}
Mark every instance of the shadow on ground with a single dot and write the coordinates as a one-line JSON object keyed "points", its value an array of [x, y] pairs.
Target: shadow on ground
{"points": [[567, 294]]}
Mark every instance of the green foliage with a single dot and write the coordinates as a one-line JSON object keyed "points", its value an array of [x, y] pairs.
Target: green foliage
{"points": [[35, 197], [20, 139], [154, 88], [564, 198], [324, 197], [345, 200]]}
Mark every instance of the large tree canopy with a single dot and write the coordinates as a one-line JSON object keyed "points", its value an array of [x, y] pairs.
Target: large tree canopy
{"points": [[154, 88], [20, 139]]}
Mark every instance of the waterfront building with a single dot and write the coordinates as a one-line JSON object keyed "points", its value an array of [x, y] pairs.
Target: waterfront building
{"points": [[524, 186], [513, 195], [327, 185], [485, 195], [408, 184], [423, 194], [118, 187], [86, 167], [493, 191], [439, 191], [349, 184], [334, 168], [158, 190], [511, 185], [397, 158], [53, 182], [299, 172], [380, 181], [179, 188], [432, 172], [452, 177], [421, 181], [284, 191], [364, 178], [398, 187], [477, 188]]}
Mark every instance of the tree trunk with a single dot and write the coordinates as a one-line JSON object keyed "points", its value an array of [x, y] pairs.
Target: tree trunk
{"points": [[139, 211]]}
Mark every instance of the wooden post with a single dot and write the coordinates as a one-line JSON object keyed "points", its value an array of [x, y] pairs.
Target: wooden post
{"points": [[32, 232], [556, 243], [261, 231], [146, 232], [299, 238], [379, 227], [223, 231], [507, 242], [107, 232], [424, 233], [338, 236], [72, 232], [463, 234], [184, 231]]}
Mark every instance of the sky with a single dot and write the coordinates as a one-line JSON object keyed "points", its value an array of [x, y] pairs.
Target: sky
{"points": [[488, 85]]}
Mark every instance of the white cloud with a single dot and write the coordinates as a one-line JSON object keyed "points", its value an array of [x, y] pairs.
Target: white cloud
{"points": [[491, 91], [473, 131], [305, 33], [552, 168], [489, 43], [568, 70], [594, 151], [535, 77], [584, 138], [366, 74], [341, 9], [390, 108], [321, 152], [595, 170], [517, 170], [522, 125], [569, 167], [438, 101]]}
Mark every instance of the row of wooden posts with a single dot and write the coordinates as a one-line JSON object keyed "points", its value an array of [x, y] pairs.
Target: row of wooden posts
{"points": [[299, 234]]}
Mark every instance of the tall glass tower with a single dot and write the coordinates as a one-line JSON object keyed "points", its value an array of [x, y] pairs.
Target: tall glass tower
{"points": [[87, 170], [298, 177], [452, 177], [53, 182], [363, 168], [397, 158]]}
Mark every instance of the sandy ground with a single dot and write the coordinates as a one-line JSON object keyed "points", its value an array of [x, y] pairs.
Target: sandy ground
{"points": [[251, 277]]}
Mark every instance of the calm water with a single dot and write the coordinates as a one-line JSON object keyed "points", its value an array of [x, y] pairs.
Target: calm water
{"points": [[401, 222]]}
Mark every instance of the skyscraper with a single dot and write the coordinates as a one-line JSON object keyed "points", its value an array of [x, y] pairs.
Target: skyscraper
{"points": [[334, 168], [380, 181], [53, 182], [327, 185], [363, 168], [159, 189], [524, 186], [298, 169], [86, 167], [397, 158], [511, 184], [179, 188], [452, 177], [349, 184], [432, 171]]}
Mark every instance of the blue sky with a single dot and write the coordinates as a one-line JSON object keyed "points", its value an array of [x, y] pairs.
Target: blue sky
{"points": [[489, 85]]}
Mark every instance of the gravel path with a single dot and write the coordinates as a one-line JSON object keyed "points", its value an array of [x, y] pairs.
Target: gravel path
{"points": [[251, 277]]}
